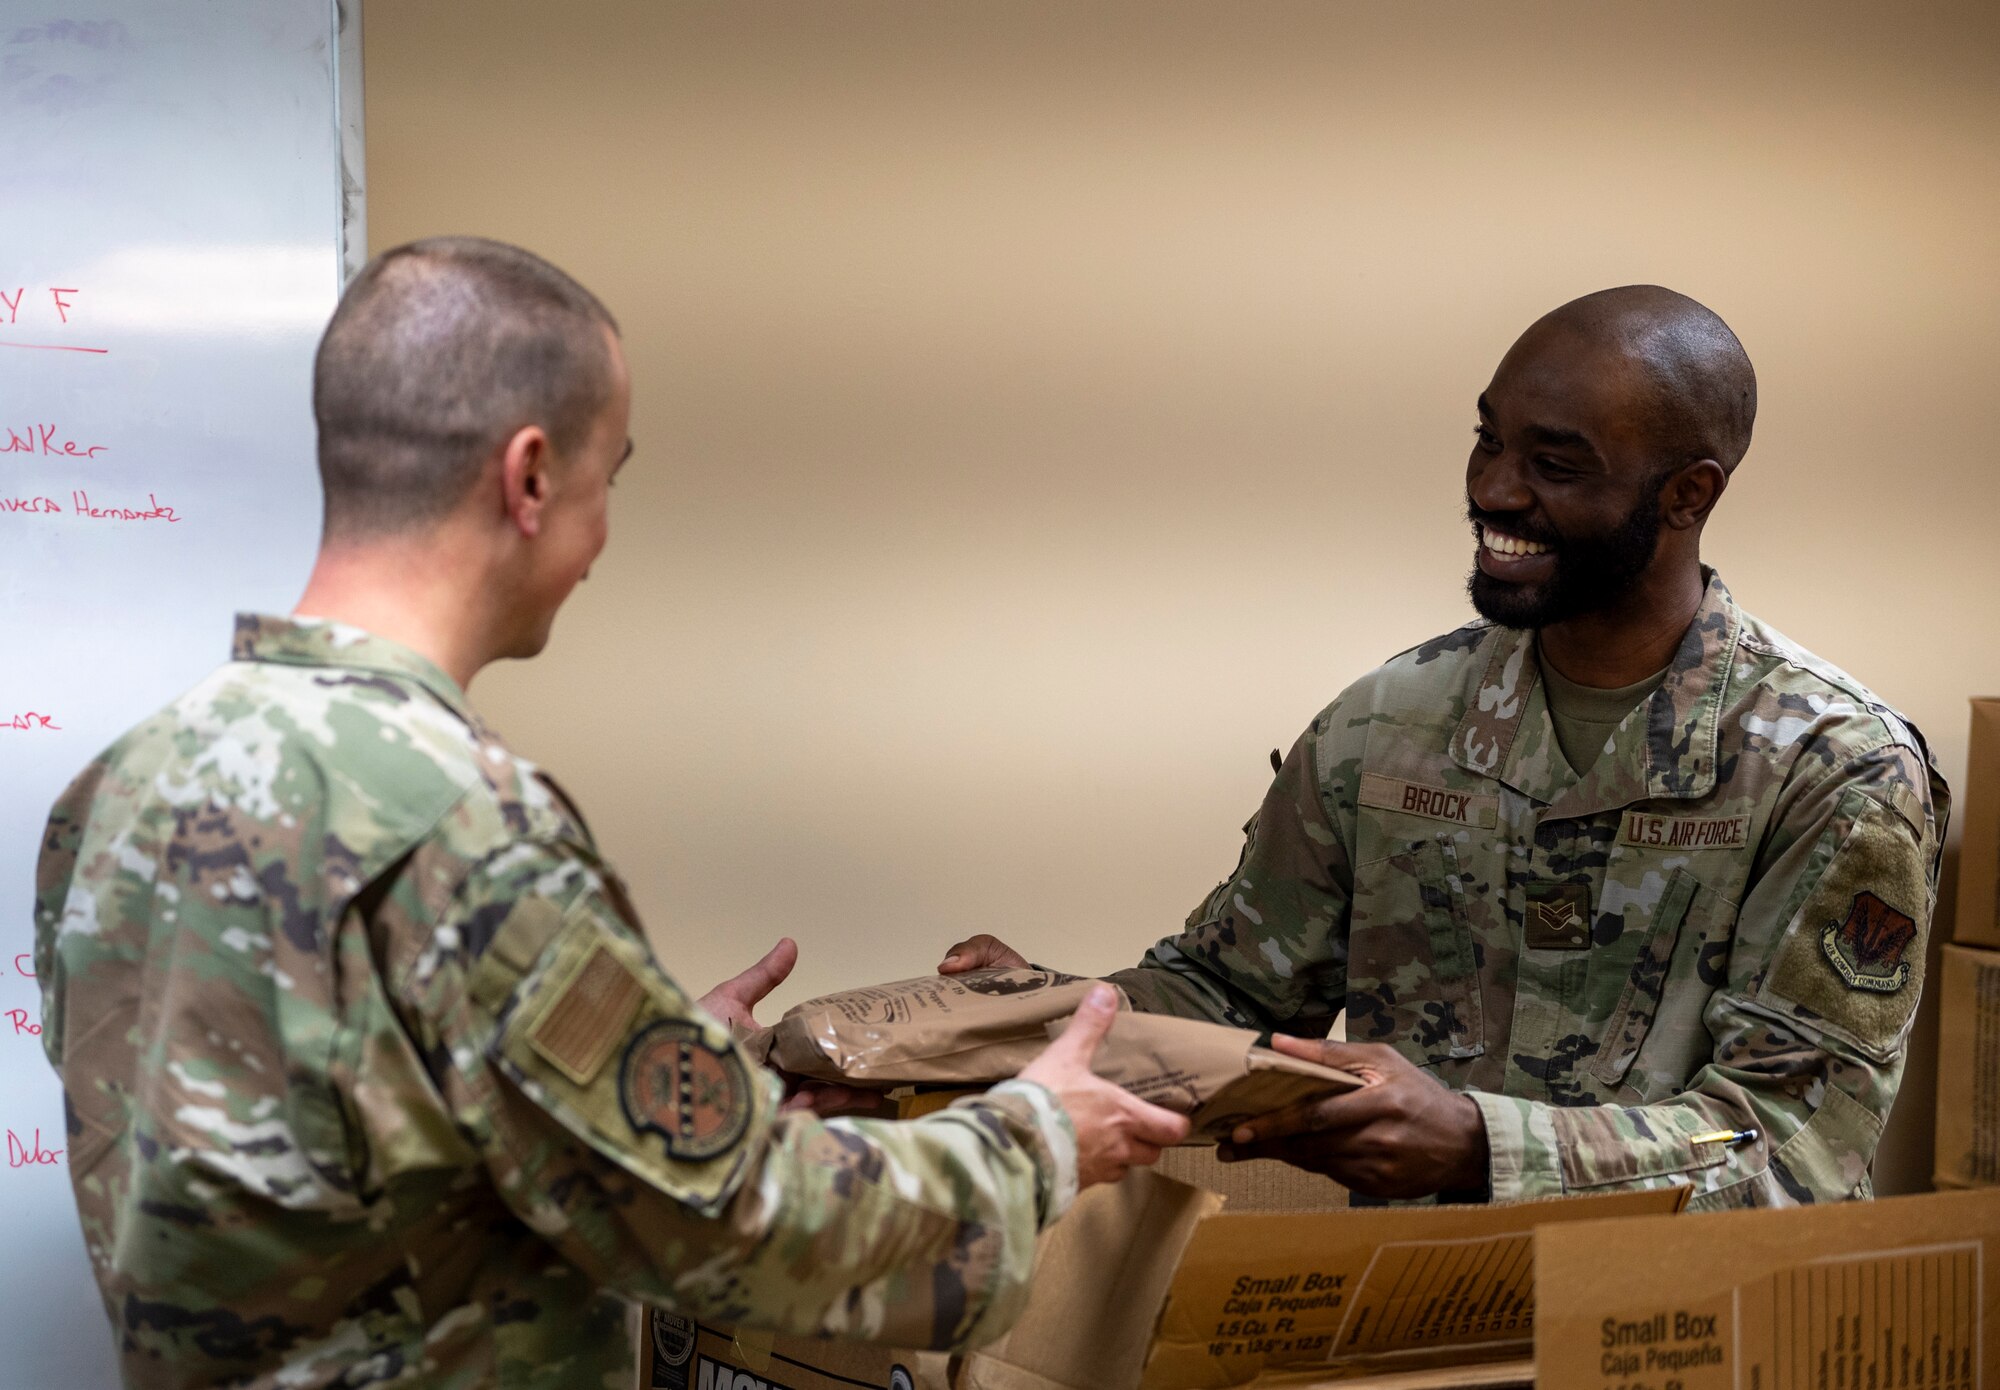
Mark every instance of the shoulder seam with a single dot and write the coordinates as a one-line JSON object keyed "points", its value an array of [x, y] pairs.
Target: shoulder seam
{"points": [[1864, 753], [1483, 624], [1899, 729]]}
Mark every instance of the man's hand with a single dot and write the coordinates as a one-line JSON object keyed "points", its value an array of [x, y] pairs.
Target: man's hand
{"points": [[829, 1098], [733, 999], [732, 1002], [981, 952], [1114, 1128], [1401, 1135]]}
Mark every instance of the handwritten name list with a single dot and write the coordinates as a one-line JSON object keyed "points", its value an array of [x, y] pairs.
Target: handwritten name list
{"points": [[45, 324]]}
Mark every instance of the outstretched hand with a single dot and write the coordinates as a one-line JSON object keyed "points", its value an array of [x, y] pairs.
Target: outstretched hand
{"points": [[733, 1000], [1403, 1134], [981, 952]]}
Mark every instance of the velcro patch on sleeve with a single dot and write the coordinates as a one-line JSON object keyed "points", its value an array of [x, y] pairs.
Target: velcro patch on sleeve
{"points": [[605, 1043], [1644, 831], [1909, 805], [1432, 803], [1851, 963], [587, 1016]]}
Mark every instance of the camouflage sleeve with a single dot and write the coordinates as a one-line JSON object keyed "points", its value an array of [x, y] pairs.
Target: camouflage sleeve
{"points": [[1811, 1007], [1267, 949], [628, 1128]]}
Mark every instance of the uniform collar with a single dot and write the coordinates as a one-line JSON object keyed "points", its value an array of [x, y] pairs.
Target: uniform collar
{"points": [[319, 642], [1665, 749]]}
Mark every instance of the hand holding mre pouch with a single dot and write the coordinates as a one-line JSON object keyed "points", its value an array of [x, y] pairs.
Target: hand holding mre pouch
{"points": [[1216, 1076], [982, 1026]]}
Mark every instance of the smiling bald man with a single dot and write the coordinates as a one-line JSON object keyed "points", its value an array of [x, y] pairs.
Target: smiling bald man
{"points": [[1616, 886]]}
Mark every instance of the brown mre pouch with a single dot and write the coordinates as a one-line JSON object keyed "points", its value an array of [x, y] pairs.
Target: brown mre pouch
{"points": [[971, 1029], [1217, 1076]]}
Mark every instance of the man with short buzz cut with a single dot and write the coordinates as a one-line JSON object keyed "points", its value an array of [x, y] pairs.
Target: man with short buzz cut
{"points": [[1616, 886], [372, 1077]]}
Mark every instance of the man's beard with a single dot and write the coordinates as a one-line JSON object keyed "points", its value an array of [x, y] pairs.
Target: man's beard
{"points": [[1592, 573]]}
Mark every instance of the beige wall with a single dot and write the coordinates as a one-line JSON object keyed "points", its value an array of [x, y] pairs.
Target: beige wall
{"points": [[1044, 409]]}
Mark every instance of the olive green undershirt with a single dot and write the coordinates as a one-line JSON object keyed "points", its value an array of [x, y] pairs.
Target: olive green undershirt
{"points": [[1585, 716]]}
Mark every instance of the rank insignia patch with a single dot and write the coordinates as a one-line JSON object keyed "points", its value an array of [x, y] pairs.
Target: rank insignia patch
{"points": [[1558, 917], [678, 1085], [1867, 949]]}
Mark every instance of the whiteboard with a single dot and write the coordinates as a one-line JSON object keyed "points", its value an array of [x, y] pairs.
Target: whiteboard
{"points": [[175, 215]]}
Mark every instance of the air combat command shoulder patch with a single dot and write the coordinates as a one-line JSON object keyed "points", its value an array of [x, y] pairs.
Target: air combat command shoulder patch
{"points": [[696, 1096], [1867, 949]]}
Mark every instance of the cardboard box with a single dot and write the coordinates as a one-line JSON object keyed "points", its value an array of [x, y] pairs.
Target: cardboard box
{"points": [[1255, 1184], [1151, 1285], [1900, 1292], [679, 1353], [1977, 810], [1968, 1095]]}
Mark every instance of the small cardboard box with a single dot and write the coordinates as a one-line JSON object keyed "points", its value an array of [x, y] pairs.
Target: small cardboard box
{"points": [[1255, 1184], [1150, 1285], [679, 1353], [1968, 1095], [1977, 810], [1856, 1294]]}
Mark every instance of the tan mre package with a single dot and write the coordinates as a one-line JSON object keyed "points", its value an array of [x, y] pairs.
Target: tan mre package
{"points": [[1217, 1076], [1968, 1093], [984, 1026], [1978, 814], [1896, 1292], [971, 1029], [1149, 1285]]}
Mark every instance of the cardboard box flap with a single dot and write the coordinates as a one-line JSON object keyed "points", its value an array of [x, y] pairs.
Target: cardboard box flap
{"points": [[1978, 816], [1518, 1374], [1367, 1290], [1112, 1257], [1252, 1184], [678, 1353], [1968, 1096]]}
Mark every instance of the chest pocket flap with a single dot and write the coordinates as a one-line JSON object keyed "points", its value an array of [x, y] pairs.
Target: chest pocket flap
{"points": [[1413, 967]]}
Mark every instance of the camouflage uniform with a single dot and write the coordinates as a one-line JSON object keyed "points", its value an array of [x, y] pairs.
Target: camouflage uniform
{"points": [[1721, 927], [372, 1078]]}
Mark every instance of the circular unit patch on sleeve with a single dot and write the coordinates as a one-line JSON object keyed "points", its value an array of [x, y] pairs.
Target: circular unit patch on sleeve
{"points": [[680, 1086]]}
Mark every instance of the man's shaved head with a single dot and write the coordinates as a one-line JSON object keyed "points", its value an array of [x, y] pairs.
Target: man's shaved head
{"points": [[1605, 437], [439, 352], [1704, 396]]}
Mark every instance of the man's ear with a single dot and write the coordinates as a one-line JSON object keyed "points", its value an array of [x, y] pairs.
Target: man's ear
{"points": [[524, 478], [1691, 494]]}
